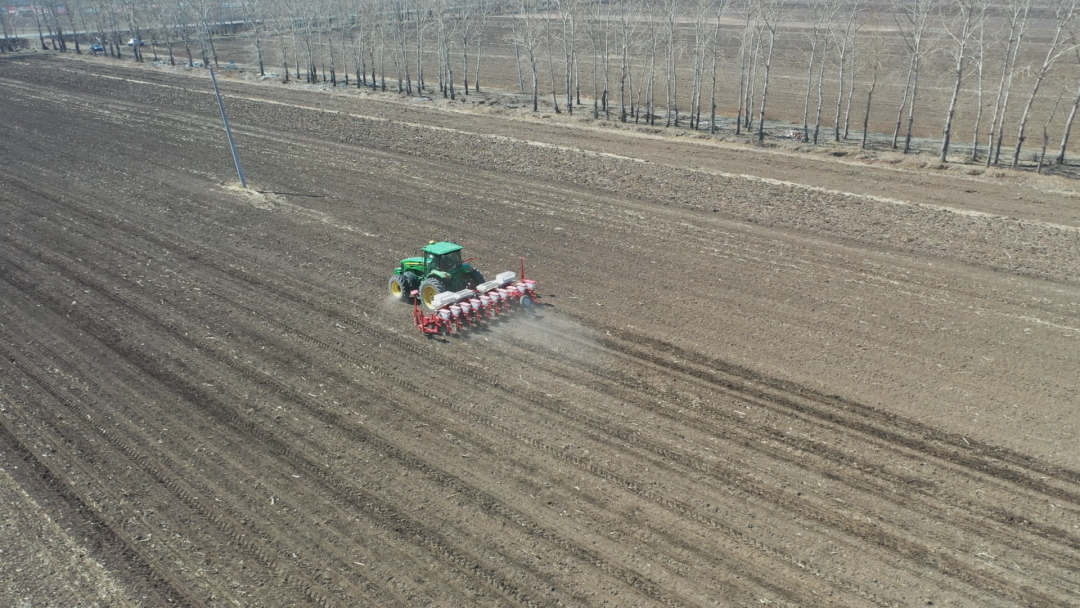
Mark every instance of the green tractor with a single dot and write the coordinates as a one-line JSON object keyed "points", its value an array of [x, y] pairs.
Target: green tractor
{"points": [[439, 269]]}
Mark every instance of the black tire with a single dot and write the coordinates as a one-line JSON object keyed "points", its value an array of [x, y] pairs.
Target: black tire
{"points": [[412, 282], [475, 278], [429, 288], [400, 288]]}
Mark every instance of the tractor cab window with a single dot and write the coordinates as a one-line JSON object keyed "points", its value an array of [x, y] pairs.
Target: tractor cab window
{"points": [[445, 262], [450, 261]]}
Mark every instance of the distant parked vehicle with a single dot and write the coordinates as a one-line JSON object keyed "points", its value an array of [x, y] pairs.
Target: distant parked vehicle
{"points": [[136, 42], [97, 49]]}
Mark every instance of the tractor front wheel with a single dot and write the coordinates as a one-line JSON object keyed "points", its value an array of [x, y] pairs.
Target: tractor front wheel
{"points": [[401, 286], [429, 288]]}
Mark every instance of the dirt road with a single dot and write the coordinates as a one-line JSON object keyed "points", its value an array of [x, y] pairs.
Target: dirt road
{"points": [[847, 387]]}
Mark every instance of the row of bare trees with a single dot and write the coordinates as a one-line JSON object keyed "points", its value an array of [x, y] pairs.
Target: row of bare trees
{"points": [[672, 62]]}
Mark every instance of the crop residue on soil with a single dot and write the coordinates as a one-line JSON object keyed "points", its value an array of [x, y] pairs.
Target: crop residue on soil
{"points": [[746, 393]]}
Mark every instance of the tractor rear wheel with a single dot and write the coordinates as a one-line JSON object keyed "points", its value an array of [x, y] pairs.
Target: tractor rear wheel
{"points": [[475, 278], [429, 288]]}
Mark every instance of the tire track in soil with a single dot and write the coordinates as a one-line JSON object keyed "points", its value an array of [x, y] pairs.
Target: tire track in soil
{"points": [[110, 545], [896, 543], [630, 579], [464, 190], [926, 240], [805, 404], [383, 512], [450, 401], [908, 433], [389, 110], [875, 481], [233, 273], [102, 288], [154, 466], [298, 398], [823, 411], [293, 396], [633, 580]]}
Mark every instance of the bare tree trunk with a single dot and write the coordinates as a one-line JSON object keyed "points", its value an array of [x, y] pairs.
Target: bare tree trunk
{"points": [[1021, 9], [969, 16], [330, 43], [5, 43], [566, 16], [1063, 16], [344, 50], [715, 52], [374, 66], [1060, 158], [851, 92], [820, 97], [596, 45], [847, 37], [911, 108], [577, 79], [465, 63], [1046, 132], [535, 93], [208, 27], [258, 52], [284, 55], [449, 68], [623, 69], [743, 47], [481, 23], [54, 26], [551, 70], [903, 103], [771, 22], [866, 117], [809, 84], [382, 65], [361, 65], [979, 63], [517, 61], [476, 78], [41, 35], [752, 89], [419, 52], [912, 17], [295, 45], [72, 8], [946, 135], [404, 52]]}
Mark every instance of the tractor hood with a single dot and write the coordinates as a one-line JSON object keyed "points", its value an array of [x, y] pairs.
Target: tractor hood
{"points": [[413, 264]]}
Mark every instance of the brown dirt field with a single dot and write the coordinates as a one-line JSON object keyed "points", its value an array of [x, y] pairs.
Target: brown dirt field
{"points": [[761, 378]]}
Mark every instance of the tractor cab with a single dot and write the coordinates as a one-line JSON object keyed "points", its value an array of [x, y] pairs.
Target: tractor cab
{"points": [[442, 258]]}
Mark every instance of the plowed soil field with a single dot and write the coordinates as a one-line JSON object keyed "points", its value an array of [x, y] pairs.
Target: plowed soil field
{"points": [[758, 378]]}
